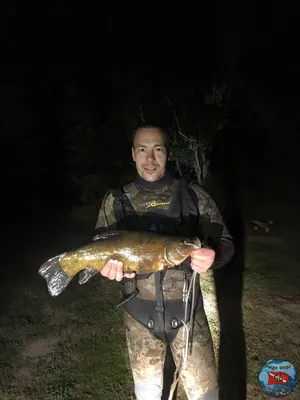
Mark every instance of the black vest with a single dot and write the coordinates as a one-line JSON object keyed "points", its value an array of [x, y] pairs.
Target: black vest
{"points": [[162, 318]]}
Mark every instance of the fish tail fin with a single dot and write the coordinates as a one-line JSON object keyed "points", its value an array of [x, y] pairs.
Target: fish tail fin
{"points": [[86, 275], [57, 280]]}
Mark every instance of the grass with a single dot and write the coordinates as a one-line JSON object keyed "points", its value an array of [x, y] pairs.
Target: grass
{"points": [[72, 347], [271, 309], [69, 347]]}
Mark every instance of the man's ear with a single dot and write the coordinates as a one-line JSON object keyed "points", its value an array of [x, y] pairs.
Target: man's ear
{"points": [[132, 153]]}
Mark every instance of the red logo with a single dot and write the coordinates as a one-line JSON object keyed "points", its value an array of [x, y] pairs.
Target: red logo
{"points": [[276, 378]]}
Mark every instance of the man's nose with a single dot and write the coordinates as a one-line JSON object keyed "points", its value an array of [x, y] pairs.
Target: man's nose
{"points": [[150, 155]]}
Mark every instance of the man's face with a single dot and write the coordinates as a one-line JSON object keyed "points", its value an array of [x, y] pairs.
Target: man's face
{"points": [[150, 154]]}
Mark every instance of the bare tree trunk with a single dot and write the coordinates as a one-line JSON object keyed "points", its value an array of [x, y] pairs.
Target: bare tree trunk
{"points": [[205, 168], [141, 114], [197, 167], [178, 167]]}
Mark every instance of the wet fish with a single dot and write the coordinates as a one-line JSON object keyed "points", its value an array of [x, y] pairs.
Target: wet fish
{"points": [[140, 252]]}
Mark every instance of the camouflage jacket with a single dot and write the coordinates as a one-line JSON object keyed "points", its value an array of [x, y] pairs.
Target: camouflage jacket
{"points": [[158, 201]]}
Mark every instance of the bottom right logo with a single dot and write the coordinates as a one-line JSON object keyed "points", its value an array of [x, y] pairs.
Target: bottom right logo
{"points": [[277, 378]]}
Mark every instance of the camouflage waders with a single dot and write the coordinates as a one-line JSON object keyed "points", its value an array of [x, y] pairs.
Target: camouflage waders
{"points": [[147, 357], [147, 352]]}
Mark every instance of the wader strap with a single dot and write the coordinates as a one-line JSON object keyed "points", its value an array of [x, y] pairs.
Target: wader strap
{"points": [[160, 309], [130, 296]]}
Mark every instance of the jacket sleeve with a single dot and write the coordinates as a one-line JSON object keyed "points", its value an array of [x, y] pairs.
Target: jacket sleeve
{"points": [[106, 216], [215, 233]]}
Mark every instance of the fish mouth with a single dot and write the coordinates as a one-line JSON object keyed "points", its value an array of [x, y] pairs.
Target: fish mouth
{"points": [[195, 242]]}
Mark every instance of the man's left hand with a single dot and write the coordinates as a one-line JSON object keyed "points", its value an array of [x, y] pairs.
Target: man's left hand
{"points": [[202, 260]]}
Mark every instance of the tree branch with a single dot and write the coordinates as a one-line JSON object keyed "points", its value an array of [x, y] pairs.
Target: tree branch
{"points": [[178, 167], [197, 166], [141, 114], [176, 119]]}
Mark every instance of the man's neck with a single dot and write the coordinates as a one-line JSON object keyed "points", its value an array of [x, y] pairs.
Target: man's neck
{"points": [[165, 180]]}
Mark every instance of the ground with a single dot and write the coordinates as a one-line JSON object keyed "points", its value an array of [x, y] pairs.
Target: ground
{"points": [[72, 347]]}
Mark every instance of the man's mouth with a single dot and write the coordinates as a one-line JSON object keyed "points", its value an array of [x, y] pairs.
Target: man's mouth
{"points": [[150, 169]]}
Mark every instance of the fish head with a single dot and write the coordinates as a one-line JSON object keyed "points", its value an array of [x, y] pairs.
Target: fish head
{"points": [[179, 249]]}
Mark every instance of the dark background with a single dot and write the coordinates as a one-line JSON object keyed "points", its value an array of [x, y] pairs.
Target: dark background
{"points": [[118, 53], [72, 77]]}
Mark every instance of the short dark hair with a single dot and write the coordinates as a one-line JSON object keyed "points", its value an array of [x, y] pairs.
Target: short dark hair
{"points": [[164, 132]]}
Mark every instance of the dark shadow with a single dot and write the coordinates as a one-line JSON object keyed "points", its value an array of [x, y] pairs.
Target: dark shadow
{"points": [[229, 288], [169, 370]]}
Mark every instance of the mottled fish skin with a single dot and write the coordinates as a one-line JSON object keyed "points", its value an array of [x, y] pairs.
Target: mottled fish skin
{"points": [[140, 252], [88, 273]]}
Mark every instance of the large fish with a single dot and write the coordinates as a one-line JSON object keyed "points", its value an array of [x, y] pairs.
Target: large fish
{"points": [[140, 252]]}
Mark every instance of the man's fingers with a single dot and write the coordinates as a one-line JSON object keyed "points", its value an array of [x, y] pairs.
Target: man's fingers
{"points": [[203, 257], [113, 270], [199, 269], [199, 263], [105, 270], [199, 266], [202, 254], [119, 271], [129, 274]]}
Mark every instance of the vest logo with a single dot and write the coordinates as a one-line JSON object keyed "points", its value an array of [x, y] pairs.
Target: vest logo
{"points": [[154, 203]]}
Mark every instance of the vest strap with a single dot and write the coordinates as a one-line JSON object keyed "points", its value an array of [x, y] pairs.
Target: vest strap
{"points": [[160, 309], [162, 318]]}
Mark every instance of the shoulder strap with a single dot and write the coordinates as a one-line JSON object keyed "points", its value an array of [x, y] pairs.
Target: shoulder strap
{"points": [[118, 207], [188, 198], [189, 208], [125, 214], [106, 194]]}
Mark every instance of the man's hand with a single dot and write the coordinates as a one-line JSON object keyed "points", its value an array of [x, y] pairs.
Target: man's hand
{"points": [[202, 260], [113, 270]]}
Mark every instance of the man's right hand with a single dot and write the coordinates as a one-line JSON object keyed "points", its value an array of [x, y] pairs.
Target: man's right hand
{"points": [[113, 270]]}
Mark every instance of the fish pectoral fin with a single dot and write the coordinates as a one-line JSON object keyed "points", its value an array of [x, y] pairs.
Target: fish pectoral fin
{"points": [[86, 274], [57, 279]]}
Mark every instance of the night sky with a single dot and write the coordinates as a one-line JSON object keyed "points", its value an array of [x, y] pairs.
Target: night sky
{"points": [[156, 49]]}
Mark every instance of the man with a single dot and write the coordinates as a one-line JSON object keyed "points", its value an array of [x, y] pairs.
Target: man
{"points": [[153, 304]]}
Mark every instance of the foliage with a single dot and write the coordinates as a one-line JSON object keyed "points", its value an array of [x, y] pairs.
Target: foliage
{"points": [[192, 148]]}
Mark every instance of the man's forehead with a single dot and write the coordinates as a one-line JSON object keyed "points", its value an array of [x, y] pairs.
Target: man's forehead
{"points": [[146, 143], [148, 136]]}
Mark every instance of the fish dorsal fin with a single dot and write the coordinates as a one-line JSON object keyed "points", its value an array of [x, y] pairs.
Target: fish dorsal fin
{"points": [[106, 235]]}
